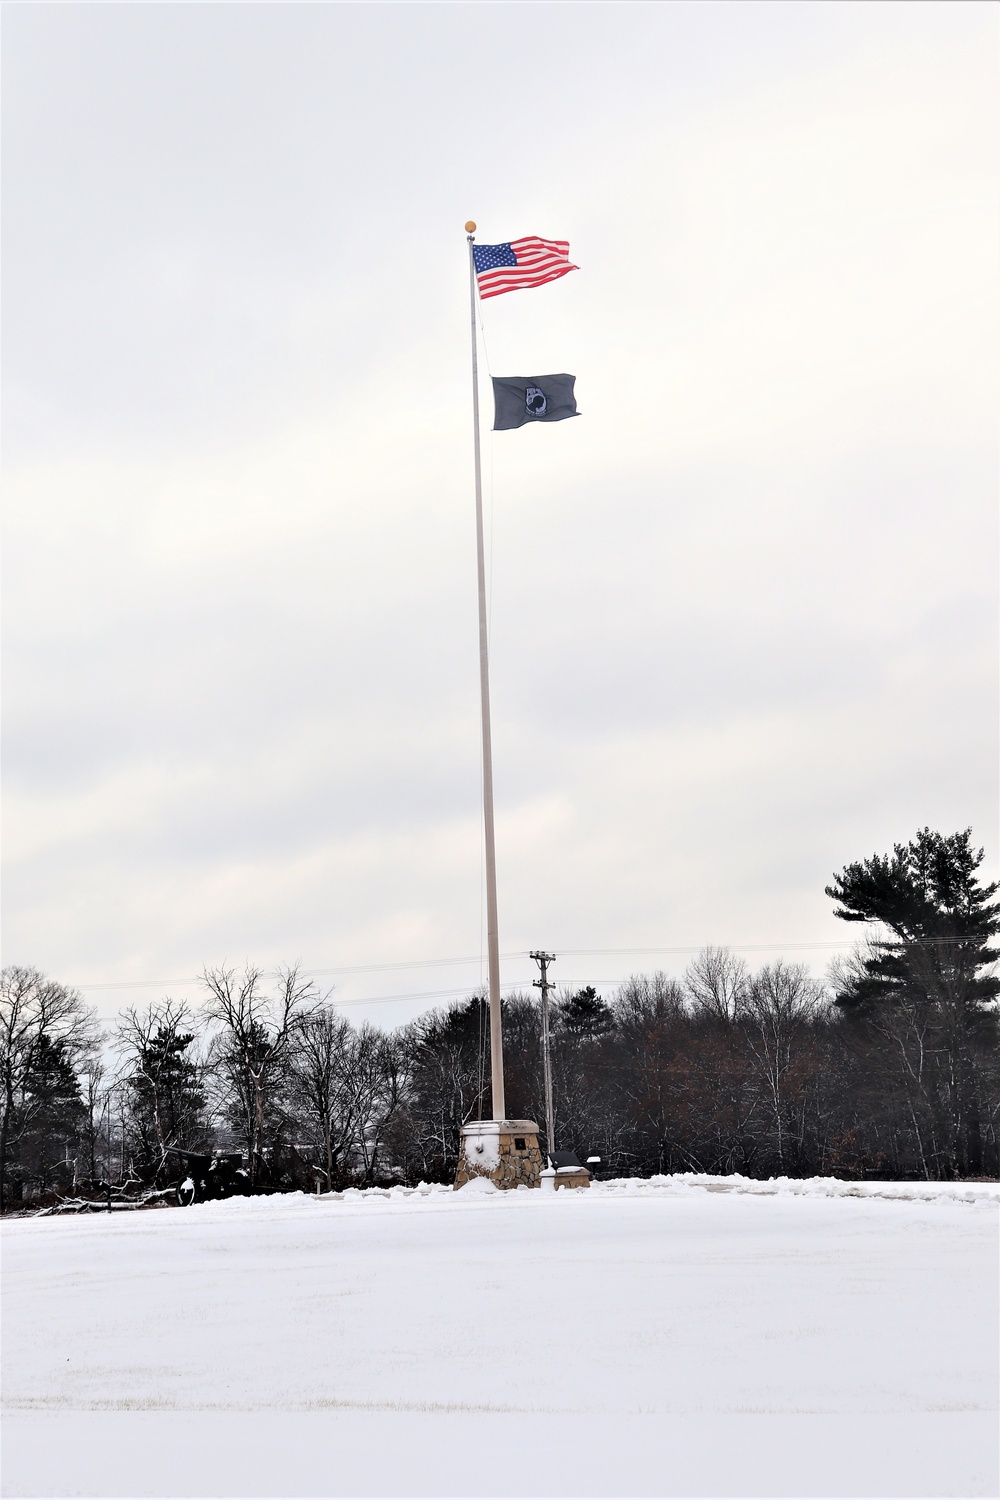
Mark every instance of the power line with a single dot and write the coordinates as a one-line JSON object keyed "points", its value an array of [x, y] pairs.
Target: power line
{"points": [[443, 963], [420, 963], [456, 994]]}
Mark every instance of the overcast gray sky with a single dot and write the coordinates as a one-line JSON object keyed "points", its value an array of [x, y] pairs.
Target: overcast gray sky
{"points": [[743, 609]]}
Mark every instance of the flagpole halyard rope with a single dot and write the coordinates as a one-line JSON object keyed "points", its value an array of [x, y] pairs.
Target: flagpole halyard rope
{"points": [[492, 447]]}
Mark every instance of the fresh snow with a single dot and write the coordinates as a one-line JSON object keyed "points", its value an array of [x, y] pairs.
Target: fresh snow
{"points": [[687, 1335], [483, 1148]]}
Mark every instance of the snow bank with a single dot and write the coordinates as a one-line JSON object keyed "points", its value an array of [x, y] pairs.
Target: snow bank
{"points": [[479, 1187], [682, 1184], [804, 1187]]}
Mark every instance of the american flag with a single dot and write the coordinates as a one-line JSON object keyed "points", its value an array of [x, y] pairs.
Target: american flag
{"points": [[527, 262]]}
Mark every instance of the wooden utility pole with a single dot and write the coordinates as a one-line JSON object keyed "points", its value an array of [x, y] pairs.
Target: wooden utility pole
{"points": [[544, 984]]}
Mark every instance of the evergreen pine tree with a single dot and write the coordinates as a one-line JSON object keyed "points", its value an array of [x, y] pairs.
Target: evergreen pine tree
{"points": [[585, 1015], [927, 981]]}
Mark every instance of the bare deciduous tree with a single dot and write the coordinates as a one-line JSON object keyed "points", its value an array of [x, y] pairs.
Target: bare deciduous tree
{"points": [[377, 1082], [322, 1063], [94, 1090], [252, 1047], [716, 983], [780, 1002]]}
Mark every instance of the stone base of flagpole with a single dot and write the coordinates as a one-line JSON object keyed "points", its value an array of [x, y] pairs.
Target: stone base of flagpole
{"points": [[505, 1151]]}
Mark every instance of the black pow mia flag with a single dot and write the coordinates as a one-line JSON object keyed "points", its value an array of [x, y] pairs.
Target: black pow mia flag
{"points": [[519, 399]]}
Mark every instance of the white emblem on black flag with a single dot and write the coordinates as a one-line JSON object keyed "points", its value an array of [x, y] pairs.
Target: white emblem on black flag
{"points": [[520, 400]]}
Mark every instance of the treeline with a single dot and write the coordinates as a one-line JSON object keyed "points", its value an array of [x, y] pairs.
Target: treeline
{"points": [[889, 1069]]}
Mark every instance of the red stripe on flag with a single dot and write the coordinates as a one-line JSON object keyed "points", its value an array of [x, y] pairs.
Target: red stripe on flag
{"points": [[495, 290]]}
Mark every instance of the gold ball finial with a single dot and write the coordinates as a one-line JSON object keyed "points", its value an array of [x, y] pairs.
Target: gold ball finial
{"points": [[470, 227]]}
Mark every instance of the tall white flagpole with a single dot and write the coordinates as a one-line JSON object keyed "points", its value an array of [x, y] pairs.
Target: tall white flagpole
{"points": [[492, 931]]}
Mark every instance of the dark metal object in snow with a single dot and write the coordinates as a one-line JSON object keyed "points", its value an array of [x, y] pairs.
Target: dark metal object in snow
{"points": [[204, 1177], [564, 1159]]}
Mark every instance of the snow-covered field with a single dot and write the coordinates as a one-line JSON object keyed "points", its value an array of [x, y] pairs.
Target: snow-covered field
{"points": [[684, 1336]]}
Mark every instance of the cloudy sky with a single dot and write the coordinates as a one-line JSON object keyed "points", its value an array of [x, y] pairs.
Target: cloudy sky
{"points": [[743, 610]]}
